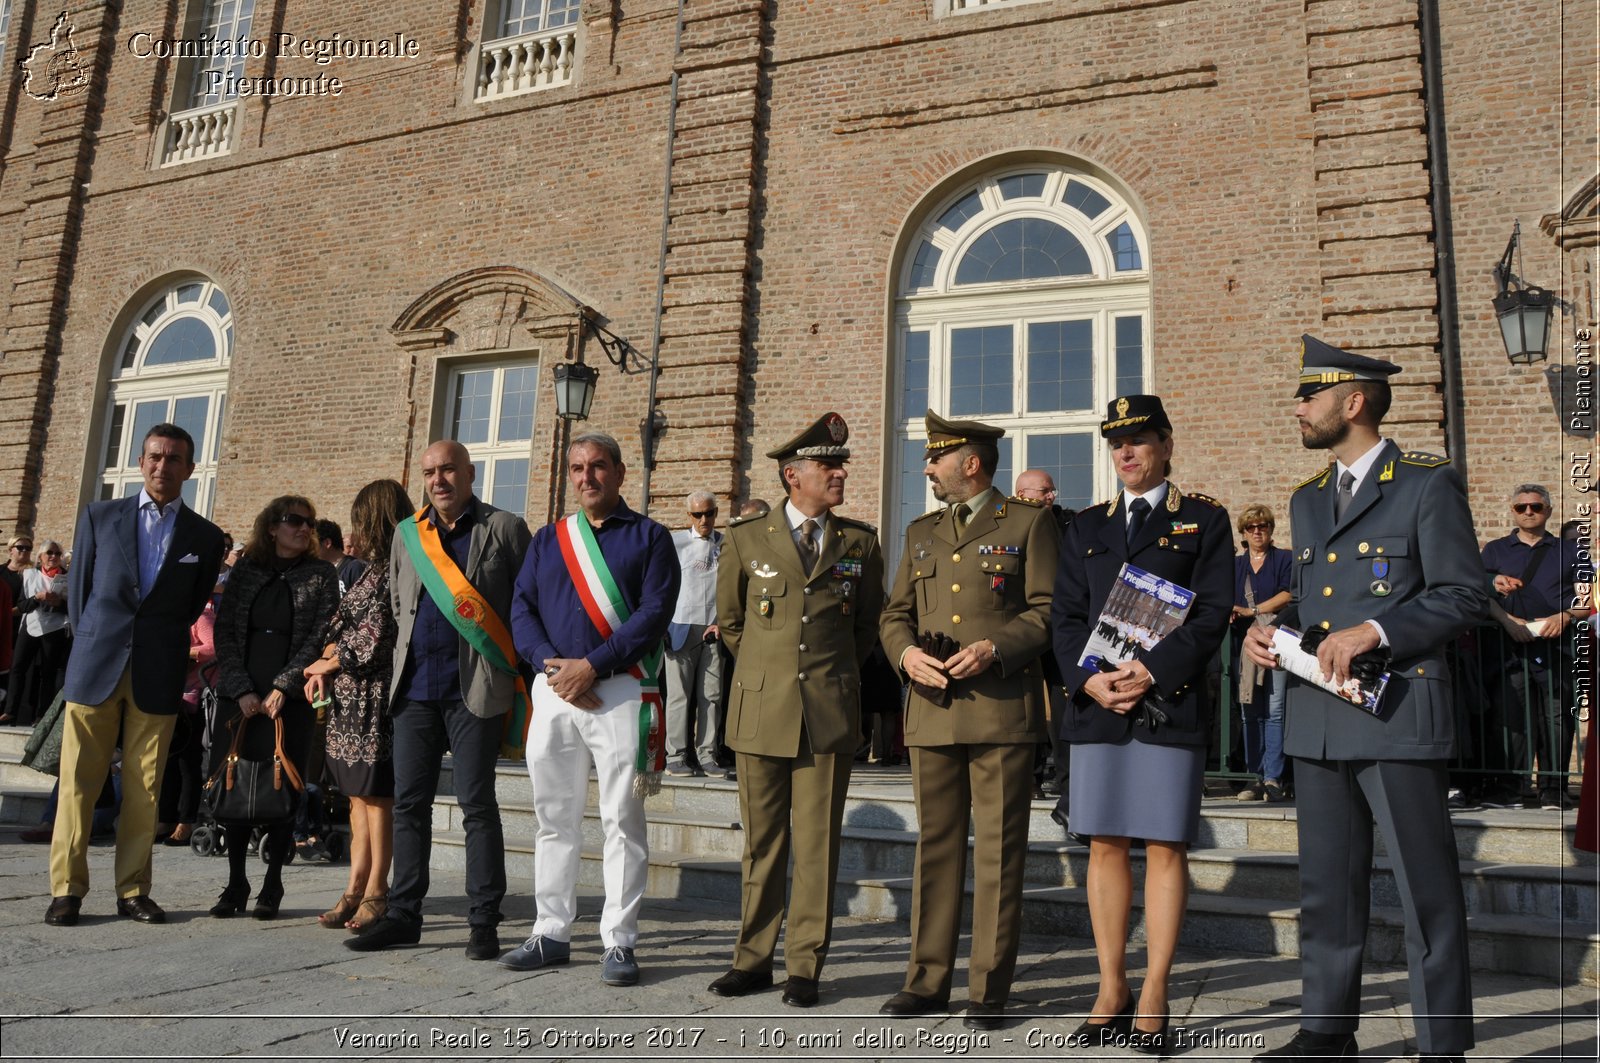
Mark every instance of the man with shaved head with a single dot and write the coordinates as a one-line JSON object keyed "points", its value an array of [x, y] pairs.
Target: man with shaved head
{"points": [[451, 575]]}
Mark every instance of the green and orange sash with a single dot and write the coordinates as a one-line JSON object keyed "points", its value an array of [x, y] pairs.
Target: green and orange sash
{"points": [[472, 617], [602, 602]]}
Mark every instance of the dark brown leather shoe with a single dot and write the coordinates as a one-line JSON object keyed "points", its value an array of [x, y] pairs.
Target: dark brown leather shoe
{"points": [[737, 983], [904, 1005], [800, 992], [141, 909], [984, 1016], [63, 911]]}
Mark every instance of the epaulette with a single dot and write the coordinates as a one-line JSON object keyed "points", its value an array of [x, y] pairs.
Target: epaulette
{"points": [[853, 523], [1036, 503], [1320, 474], [1207, 499], [1424, 459], [1110, 504], [930, 513], [736, 521]]}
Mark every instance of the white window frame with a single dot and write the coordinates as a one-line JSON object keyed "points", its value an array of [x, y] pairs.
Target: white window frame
{"points": [[942, 307], [204, 125], [167, 383], [487, 455], [515, 60]]}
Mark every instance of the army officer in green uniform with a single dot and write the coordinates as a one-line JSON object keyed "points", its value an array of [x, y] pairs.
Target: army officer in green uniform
{"points": [[978, 570], [799, 591]]}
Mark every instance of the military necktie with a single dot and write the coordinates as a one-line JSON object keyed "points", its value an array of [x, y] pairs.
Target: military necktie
{"points": [[963, 514], [1347, 483], [1137, 514], [807, 545]]}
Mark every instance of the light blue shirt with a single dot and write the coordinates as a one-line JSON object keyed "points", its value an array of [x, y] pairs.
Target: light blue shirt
{"points": [[155, 535]]}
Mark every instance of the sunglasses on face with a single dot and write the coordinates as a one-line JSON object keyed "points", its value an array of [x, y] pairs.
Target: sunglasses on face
{"points": [[1257, 527], [703, 514], [295, 520], [52, 553], [1528, 507], [23, 549]]}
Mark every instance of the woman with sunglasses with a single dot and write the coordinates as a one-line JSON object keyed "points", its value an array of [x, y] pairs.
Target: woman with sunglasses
{"points": [[43, 641], [275, 607], [1261, 579]]}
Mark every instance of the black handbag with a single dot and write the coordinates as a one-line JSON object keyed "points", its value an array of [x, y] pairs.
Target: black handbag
{"points": [[253, 791]]}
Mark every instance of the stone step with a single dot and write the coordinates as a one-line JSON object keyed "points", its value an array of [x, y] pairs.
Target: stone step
{"points": [[881, 798], [1524, 944], [1489, 888]]}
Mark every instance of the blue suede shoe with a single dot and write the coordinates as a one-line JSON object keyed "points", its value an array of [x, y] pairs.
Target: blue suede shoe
{"points": [[619, 967], [538, 951]]}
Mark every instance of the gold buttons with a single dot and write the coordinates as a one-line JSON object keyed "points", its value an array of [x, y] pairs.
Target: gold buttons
{"points": [[1421, 672], [919, 571], [1332, 557], [1326, 625], [956, 619], [983, 564], [955, 588], [1380, 549], [1364, 547], [1327, 592], [955, 557]]}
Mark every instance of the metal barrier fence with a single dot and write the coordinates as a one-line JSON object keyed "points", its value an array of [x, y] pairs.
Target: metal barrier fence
{"points": [[1520, 708]]}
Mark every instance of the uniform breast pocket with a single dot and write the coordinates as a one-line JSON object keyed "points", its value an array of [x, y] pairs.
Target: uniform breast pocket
{"points": [[1302, 570], [1386, 564], [1002, 581], [764, 603], [747, 704], [922, 578]]}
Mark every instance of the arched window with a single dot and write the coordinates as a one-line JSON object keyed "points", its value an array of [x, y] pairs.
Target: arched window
{"points": [[1023, 301], [171, 365]]}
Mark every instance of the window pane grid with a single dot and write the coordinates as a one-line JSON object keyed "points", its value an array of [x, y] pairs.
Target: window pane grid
{"points": [[531, 16], [491, 408], [980, 370], [222, 20]]}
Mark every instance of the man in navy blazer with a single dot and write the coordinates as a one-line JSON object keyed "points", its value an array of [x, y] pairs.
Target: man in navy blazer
{"points": [[143, 569]]}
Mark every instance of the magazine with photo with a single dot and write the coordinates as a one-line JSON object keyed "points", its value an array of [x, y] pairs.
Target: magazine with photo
{"points": [[1141, 610], [1365, 695]]}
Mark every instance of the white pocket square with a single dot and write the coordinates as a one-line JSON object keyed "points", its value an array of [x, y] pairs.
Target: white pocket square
{"points": [[189, 559]]}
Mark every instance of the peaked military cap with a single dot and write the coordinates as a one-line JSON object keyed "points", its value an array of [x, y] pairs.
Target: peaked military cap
{"points": [[943, 434], [1323, 365], [823, 441], [1128, 414]]}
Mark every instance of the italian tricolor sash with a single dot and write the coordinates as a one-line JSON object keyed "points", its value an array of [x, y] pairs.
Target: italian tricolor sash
{"points": [[603, 603], [472, 617]]}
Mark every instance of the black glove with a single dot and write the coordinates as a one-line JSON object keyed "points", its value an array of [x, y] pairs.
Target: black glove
{"points": [[1367, 668], [940, 647]]}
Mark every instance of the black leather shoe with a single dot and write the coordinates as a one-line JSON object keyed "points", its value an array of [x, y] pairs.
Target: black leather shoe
{"points": [[800, 992], [385, 933], [1119, 1025], [984, 1016], [141, 909], [230, 902], [1150, 1042], [904, 1005], [63, 911], [737, 983], [483, 944], [1308, 1045]]}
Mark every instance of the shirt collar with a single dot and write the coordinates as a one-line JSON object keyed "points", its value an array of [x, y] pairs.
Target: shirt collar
{"points": [[1155, 496], [468, 515], [161, 511], [623, 514], [797, 518], [1361, 466]]}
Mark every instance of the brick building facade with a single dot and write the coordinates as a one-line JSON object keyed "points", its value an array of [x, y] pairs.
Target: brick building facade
{"points": [[1012, 209]]}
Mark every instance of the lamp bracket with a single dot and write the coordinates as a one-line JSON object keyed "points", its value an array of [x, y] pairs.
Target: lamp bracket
{"points": [[619, 352]]}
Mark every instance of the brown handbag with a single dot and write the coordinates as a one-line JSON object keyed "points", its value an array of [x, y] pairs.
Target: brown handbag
{"points": [[253, 791]]}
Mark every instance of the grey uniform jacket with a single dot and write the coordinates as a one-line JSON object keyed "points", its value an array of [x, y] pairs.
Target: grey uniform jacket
{"points": [[1404, 555]]}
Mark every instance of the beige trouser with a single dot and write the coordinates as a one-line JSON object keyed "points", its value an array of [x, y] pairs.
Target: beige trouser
{"points": [[88, 741]]}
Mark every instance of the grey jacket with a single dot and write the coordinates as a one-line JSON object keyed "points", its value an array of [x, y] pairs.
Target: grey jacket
{"points": [[494, 557]]}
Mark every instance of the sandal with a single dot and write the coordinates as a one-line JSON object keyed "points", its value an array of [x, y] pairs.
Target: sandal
{"points": [[370, 911], [335, 917]]}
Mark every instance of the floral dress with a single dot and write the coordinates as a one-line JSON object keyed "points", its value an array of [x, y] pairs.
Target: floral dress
{"points": [[359, 732]]}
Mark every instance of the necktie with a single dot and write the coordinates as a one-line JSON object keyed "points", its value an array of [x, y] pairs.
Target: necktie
{"points": [[807, 545], [962, 515], [1347, 483], [1137, 514]]}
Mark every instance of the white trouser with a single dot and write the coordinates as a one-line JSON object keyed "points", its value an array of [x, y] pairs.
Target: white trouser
{"points": [[562, 742]]}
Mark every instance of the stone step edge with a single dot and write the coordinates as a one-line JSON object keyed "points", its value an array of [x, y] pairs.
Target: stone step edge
{"points": [[1491, 869], [1213, 903]]}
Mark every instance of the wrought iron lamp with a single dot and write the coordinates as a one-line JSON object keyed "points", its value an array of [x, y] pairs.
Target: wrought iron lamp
{"points": [[1523, 310]]}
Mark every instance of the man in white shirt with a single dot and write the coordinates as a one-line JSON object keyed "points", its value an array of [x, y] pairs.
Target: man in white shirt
{"points": [[694, 659]]}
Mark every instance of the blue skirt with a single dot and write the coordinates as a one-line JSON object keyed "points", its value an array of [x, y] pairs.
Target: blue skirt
{"points": [[1132, 789]]}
